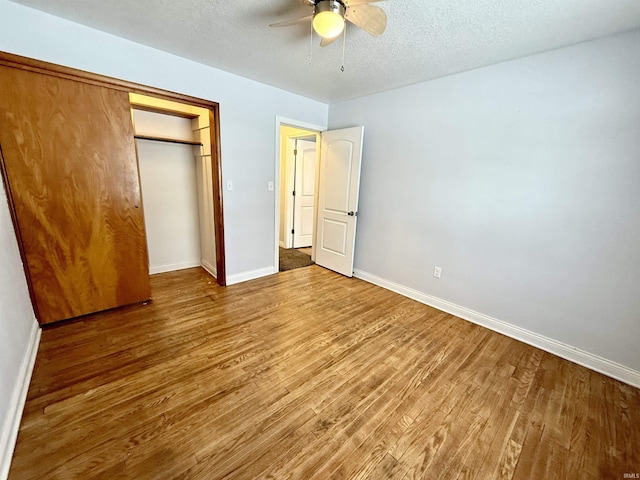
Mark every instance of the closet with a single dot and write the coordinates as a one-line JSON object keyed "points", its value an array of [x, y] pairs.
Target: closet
{"points": [[69, 164], [174, 156]]}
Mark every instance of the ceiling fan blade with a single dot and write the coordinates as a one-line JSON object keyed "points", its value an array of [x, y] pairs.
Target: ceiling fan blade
{"points": [[370, 18], [328, 41], [296, 21]]}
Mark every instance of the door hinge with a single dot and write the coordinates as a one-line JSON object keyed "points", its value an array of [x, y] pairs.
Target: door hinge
{"points": [[295, 152], [293, 231], [294, 193]]}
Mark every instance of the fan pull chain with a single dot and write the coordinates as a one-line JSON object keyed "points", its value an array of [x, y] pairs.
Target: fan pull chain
{"points": [[344, 45]]}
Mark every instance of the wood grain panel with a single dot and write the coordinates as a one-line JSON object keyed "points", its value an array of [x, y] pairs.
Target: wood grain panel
{"points": [[71, 165], [60, 71], [311, 375]]}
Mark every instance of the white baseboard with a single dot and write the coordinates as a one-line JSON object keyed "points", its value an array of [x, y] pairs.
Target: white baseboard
{"points": [[172, 267], [243, 277], [11, 423], [282, 244], [209, 268], [573, 354]]}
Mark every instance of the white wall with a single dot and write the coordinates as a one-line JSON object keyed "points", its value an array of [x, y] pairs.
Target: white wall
{"points": [[169, 193], [522, 181], [17, 329], [248, 112], [162, 125]]}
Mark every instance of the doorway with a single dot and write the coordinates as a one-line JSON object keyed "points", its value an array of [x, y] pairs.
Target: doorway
{"points": [[296, 175], [337, 183]]}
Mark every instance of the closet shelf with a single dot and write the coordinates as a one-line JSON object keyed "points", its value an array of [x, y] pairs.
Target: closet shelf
{"points": [[167, 139]]}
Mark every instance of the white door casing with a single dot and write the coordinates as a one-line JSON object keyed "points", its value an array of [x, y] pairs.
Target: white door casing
{"points": [[339, 184], [304, 200]]}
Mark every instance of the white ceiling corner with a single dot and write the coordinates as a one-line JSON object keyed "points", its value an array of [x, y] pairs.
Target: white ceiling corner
{"points": [[424, 39]]}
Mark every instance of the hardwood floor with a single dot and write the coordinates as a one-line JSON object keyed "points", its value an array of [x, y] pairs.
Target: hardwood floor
{"points": [[308, 374]]}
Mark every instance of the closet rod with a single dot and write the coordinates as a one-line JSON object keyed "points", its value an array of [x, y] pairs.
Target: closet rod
{"points": [[170, 140]]}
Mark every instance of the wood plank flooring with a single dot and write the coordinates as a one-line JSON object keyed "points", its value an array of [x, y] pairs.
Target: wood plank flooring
{"points": [[308, 374]]}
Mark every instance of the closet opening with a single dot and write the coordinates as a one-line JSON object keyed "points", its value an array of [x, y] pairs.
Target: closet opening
{"points": [[174, 148], [296, 216]]}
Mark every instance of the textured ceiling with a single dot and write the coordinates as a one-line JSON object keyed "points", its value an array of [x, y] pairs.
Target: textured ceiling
{"points": [[425, 39]]}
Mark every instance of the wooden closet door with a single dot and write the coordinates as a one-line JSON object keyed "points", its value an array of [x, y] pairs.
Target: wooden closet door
{"points": [[72, 173]]}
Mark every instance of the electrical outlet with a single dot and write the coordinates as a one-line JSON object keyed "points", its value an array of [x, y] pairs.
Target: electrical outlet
{"points": [[229, 185], [437, 271], [270, 186]]}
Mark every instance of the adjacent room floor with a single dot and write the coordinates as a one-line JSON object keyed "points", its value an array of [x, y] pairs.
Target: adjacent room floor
{"points": [[308, 374], [292, 258]]}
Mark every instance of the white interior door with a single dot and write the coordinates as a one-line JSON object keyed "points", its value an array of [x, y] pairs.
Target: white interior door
{"points": [[304, 199], [339, 184]]}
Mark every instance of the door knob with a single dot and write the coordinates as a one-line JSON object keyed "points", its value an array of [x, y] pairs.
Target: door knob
{"points": [[351, 214]]}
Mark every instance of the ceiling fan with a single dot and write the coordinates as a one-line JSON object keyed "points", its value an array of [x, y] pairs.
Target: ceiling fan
{"points": [[328, 18]]}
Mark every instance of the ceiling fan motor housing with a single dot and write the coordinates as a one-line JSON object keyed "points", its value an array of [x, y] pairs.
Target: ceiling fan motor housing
{"points": [[330, 16]]}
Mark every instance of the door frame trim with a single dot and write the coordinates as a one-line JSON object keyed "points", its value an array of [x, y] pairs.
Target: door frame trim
{"points": [[46, 68], [280, 122]]}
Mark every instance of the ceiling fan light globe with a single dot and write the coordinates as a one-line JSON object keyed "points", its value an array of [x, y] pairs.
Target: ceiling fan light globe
{"points": [[328, 24]]}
